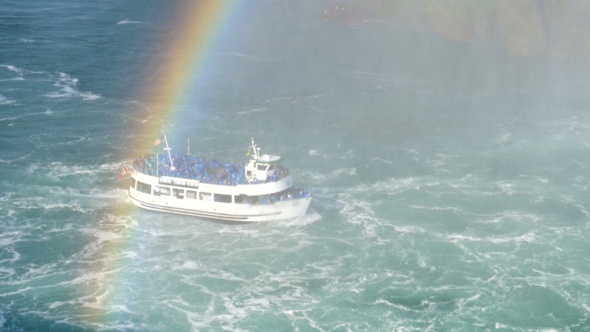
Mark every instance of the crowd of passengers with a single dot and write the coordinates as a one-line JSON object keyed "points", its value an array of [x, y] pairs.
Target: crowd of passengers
{"points": [[198, 168]]}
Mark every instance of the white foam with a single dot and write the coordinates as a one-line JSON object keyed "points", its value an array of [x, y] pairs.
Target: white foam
{"points": [[509, 216], [6, 101], [190, 265], [436, 208], [507, 188], [529, 237], [21, 290], [321, 177], [68, 92], [56, 304], [6, 273], [120, 308], [15, 256], [504, 138], [19, 78], [9, 238], [8, 119], [255, 110], [58, 170], [72, 206], [361, 213], [89, 96], [408, 229], [309, 218], [129, 22], [68, 89], [540, 179], [101, 236], [389, 162], [12, 68]]}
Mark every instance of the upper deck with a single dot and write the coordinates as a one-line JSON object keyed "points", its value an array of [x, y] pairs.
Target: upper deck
{"points": [[204, 170]]}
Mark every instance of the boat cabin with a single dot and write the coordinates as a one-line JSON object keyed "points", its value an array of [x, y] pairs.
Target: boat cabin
{"points": [[263, 168], [260, 167]]}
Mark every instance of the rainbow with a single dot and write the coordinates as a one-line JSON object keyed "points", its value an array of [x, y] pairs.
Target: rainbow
{"points": [[199, 26]]}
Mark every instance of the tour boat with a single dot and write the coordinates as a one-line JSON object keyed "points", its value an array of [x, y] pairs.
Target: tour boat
{"points": [[260, 190]]}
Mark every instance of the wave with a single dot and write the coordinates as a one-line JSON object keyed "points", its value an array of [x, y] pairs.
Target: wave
{"points": [[58, 169], [123, 22], [6, 101], [342, 172], [67, 85], [58, 187], [317, 153], [385, 161], [22, 71], [44, 206], [309, 218], [68, 89], [240, 55], [13, 79], [529, 237], [19, 150], [12, 68], [69, 92], [255, 110]]}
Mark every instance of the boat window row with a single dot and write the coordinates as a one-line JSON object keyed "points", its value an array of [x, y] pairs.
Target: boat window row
{"points": [[181, 193]]}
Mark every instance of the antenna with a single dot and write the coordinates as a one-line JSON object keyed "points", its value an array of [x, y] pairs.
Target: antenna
{"points": [[167, 148]]}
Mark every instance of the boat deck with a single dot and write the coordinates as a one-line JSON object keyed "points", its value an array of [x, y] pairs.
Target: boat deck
{"points": [[202, 169]]}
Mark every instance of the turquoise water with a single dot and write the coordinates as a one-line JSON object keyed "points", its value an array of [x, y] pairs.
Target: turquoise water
{"points": [[450, 180]]}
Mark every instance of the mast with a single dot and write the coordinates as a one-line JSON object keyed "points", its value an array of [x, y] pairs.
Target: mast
{"points": [[255, 150], [167, 148]]}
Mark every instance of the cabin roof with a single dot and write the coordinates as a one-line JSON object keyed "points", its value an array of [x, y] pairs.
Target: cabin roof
{"points": [[269, 159]]}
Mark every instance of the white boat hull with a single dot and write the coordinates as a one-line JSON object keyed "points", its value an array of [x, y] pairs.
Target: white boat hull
{"points": [[207, 208]]}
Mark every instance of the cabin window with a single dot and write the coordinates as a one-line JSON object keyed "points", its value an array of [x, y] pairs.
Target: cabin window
{"points": [[244, 199], [161, 191], [272, 167], [248, 173], [144, 187], [191, 194], [222, 198], [262, 167], [205, 196], [132, 183], [178, 193]]}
